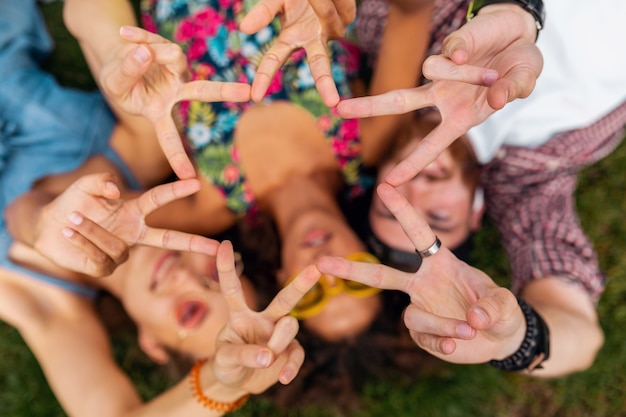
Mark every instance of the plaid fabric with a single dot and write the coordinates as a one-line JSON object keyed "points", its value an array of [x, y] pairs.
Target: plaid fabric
{"points": [[530, 198]]}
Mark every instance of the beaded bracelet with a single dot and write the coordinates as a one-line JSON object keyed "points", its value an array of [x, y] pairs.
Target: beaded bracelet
{"points": [[535, 348], [196, 389]]}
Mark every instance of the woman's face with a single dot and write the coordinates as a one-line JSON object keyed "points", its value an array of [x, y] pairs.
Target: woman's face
{"points": [[438, 193], [314, 234], [174, 299]]}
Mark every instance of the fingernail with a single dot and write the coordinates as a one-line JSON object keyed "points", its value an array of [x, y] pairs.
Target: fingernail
{"points": [[484, 318], [286, 376], [67, 232], [464, 330], [126, 31], [111, 186], [75, 218], [490, 76], [264, 358], [141, 54]]}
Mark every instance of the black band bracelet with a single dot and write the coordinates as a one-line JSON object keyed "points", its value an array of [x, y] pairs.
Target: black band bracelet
{"points": [[535, 348]]}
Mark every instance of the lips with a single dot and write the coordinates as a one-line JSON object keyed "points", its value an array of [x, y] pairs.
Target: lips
{"points": [[191, 313], [316, 237], [162, 269]]}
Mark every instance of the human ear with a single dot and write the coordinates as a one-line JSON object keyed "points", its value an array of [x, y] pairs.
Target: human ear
{"points": [[152, 347]]}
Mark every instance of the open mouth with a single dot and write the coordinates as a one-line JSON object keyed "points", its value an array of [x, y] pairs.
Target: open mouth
{"points": [[191, 313]]}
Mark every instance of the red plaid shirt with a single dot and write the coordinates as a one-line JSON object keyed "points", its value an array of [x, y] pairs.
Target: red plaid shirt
{"points": [[530, 198]]}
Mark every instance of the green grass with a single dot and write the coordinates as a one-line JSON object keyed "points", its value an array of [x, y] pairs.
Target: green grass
{"points": [[462, 391]]}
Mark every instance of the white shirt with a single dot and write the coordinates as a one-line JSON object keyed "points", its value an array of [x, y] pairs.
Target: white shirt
{"points": [[584, 77]]}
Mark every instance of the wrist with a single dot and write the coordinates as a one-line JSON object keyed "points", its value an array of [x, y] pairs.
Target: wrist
{"points": [[211, 393], [531, 11], [535, 346]]}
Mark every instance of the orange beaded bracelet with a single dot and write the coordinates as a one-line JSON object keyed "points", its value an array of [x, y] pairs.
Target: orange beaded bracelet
{"points": [[196, 389]]}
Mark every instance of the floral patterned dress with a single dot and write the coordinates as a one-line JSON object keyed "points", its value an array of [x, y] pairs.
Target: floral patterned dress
{"points": [[207, 30]]}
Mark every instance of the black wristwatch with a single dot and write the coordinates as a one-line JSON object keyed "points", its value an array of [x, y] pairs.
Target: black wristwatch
{"points": [[534, 7]]}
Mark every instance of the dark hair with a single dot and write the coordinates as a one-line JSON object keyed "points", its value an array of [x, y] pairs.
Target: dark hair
{"points": [[333, 373]]}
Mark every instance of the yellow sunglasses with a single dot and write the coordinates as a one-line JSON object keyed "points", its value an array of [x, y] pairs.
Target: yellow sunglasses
{"points": [[314, 301]]}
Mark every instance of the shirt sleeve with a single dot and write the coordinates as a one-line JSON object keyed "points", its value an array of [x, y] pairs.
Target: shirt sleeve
{"points": [[530, 196]]}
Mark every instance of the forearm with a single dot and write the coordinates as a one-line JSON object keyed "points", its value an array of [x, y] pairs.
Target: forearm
{"points": [[81, 340], [181, 400], [405, 40], [570, 314], [21, 215], [96, 25]]}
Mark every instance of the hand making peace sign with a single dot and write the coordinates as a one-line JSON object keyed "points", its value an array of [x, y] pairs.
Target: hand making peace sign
{"points": [[257, 349], [457, 312], [89, 229], [148, 77], [477, 73]]}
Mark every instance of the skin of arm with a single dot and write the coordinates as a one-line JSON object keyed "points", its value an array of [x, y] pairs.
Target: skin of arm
{"points": [[90, 227], [460, 315], [401, 54], [255, 349], [98, 38], [575, 333], [476, 74], [73, 349], [142, 75]]}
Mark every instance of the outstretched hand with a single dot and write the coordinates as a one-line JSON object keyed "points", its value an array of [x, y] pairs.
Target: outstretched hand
{"points": [[307, 24], [90, 229], [457, 312], [149, 77], [476, 74], [257, 349]]}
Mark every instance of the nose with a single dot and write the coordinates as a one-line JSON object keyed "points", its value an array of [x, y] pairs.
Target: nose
{"points": [[203, 266]]}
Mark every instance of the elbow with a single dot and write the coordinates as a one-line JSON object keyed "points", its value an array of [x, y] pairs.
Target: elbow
{"points": [[595, 341]]}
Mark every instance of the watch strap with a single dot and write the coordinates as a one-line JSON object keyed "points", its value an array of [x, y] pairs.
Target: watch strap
{"points": [[535, 348], [534, 7]]}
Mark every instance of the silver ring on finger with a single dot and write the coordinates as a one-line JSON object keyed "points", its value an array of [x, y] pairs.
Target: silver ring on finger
{"points": [[431, 250]]}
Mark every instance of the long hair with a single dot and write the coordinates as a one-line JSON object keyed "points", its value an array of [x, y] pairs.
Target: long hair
{"points": [[333, 373]]}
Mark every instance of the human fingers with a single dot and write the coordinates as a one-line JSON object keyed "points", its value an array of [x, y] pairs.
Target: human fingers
{"points": [[138, 35], [519, 81], [99, 185], [427, 150], [499, 305], [413, 224], [179, 241], [288, 297], [260, 15], [285, 330], [172, 147], [230, 285], [295, 359], [439, 67], [393, 102], [374, 275], [271, 62], [319, 63], [422, 321], [209, 91], [235, 355], [434, 344], [120, 79], [165, 193], [335, 15], [95, 262], [98, 244]]}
